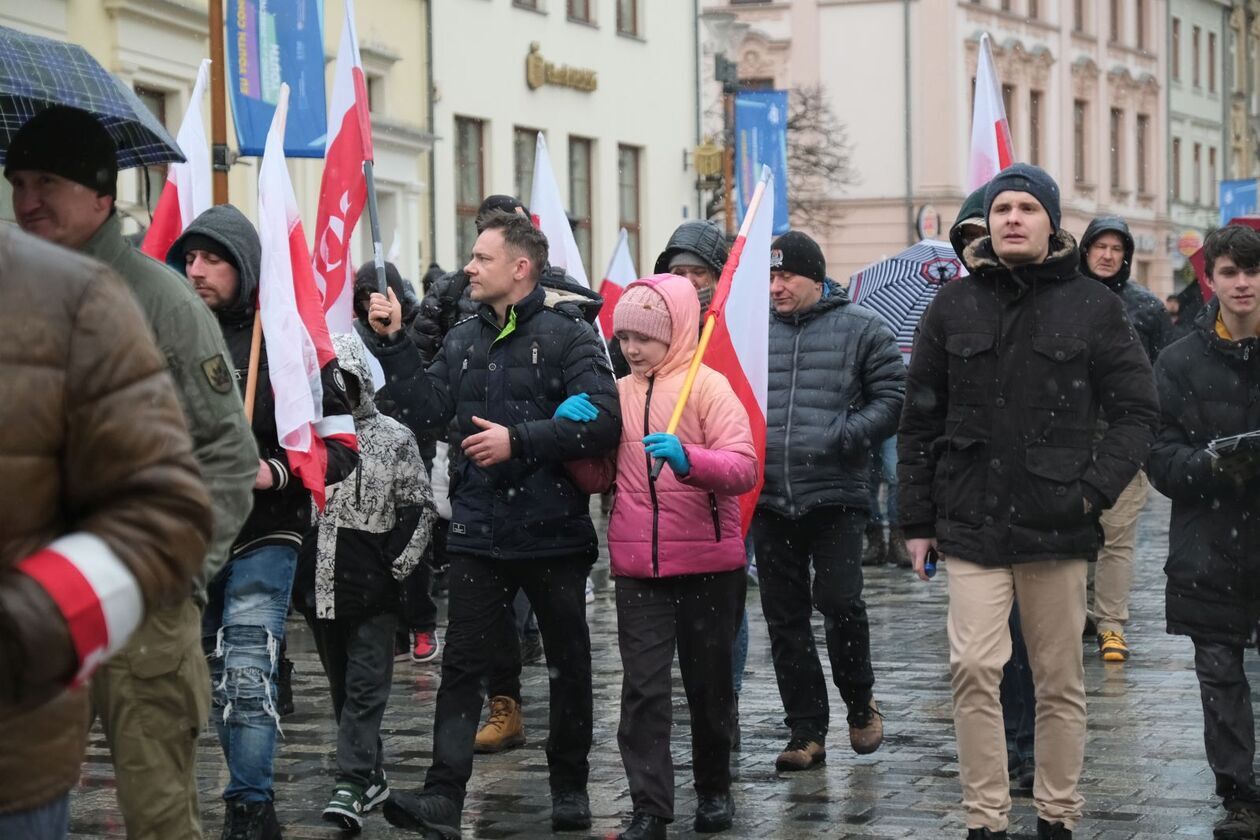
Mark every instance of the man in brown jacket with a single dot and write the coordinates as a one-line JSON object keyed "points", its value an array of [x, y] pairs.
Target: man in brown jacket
{"points": [[102, 512]]}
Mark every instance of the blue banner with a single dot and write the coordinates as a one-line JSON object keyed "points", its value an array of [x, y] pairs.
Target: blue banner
{"points": [[761, 138], [1238, 198], [271, 42]]}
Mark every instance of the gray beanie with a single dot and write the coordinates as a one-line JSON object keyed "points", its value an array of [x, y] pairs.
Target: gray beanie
{"points": [[1024, 177]]}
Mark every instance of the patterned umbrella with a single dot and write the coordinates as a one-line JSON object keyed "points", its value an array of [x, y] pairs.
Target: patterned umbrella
{"points": [[37, 73], [901, 287]]}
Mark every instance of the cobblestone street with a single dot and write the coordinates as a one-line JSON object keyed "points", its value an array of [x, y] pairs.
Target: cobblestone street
{"points": [[1145, 772]]}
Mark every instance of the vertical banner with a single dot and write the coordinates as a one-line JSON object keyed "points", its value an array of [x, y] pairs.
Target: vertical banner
{"points": [[761, 140], [274, 42]]}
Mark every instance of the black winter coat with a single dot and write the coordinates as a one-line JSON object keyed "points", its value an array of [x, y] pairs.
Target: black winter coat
{"points": [[1208, 388], [527, 507], [836, 387], [1011, 370], [1146, 312]]}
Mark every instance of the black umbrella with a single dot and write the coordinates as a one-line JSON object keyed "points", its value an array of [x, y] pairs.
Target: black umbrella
{"points": [[37, 73]]}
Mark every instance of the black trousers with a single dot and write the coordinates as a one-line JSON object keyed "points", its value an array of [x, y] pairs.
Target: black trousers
{"points": [[358, 659], [831, 539], [1229, 726], [700, 614], [504, 679], [481, 594]]}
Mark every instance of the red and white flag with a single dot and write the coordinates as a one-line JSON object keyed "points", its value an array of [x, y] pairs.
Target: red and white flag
{"points": [[343, 190], [620, 274], [298, 344], [548, 214], [187, 193], [991, 148], [739, 347]]}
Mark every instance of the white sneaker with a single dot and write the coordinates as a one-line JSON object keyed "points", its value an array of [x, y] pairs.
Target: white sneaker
{"points": [[590, 591]]}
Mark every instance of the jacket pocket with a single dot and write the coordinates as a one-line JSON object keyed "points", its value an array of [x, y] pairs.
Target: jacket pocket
{"points": [[717, 517], [1052, 497], [971, 367], [958, 485], [1058, 374]]}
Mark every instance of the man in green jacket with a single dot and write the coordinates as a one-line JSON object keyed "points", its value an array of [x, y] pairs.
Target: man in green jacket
{"points": [[154, 696]]}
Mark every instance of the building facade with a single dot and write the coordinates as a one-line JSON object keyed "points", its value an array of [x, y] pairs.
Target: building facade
{"points": [[156, 47], [612, 86], [1083, 82]]}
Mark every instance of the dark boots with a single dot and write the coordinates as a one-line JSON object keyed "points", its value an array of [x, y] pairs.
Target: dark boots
{"points": [[876, 553]]}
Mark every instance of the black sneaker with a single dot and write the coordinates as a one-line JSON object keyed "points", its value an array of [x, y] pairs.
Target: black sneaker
{"points": [[1052, 831], [714, 812], [250, 821], [570, 811], [423, 812], [1239, 823], [985, 834]]}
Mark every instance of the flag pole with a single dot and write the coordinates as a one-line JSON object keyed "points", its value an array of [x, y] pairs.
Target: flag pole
{"points": [[715, 312], [218, 105], [374, 221]]}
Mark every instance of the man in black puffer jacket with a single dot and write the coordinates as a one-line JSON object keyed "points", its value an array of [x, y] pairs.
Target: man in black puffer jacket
{"points": [[836, 387], [1107, 256], [517, 518], [1209, 387]]}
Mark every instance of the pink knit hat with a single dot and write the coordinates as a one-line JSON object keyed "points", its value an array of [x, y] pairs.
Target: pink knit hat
{"points": [[641, 309]]}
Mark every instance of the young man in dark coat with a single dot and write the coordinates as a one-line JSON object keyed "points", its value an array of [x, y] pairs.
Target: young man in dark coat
{"points": [[518, 521], [1209, 387], [1000, 471], [836, 387]]}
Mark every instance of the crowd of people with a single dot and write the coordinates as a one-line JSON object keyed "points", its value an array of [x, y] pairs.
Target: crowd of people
{"points": [[162, 537]]}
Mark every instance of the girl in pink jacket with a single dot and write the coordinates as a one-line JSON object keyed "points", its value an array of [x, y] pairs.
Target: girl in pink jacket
{"points": [[677, 553]]}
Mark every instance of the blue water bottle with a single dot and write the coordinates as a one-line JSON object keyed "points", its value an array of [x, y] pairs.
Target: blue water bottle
{"points": [[929, 563]]}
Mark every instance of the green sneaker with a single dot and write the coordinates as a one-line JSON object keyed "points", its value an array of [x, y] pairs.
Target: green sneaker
{"points": [[346, 807], [377, 792]]}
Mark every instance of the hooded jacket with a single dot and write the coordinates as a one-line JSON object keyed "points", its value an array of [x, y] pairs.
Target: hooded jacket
{"points": [[281, 514], [996, 449], [972, 211], [662, 528], [377, 522], [1146, 312], [836, 386], [1209, 387]]}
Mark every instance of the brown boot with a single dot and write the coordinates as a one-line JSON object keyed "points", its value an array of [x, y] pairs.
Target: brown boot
{"points": [[800, 754], [866, 729], [897, 553], [504, 729]]}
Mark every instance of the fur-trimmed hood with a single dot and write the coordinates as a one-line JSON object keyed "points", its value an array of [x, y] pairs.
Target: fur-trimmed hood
{"points": [[1062, 263]]}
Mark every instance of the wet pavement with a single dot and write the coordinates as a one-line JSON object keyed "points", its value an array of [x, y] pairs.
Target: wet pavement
{"points": [[1145, 771]]}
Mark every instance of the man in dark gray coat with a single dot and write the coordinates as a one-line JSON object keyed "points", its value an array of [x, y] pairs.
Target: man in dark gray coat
{"points": [[836, 387]]}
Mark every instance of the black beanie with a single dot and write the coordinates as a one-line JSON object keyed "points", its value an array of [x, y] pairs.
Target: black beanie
{"points": [[1024, 177], [506, 203], [797, 253], [66, 142]]}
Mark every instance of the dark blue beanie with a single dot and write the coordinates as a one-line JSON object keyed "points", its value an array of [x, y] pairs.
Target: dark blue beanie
{"points": [[1024, 177]]}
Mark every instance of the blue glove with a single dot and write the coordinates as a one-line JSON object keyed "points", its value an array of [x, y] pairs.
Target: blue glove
{"points": [[668, 448], [577, 408]]}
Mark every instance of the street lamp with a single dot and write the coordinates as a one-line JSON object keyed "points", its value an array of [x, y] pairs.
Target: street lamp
{"points": [[726, 33]]}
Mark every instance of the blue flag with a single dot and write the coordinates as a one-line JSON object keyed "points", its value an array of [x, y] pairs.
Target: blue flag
{"points": [[761, 139]]}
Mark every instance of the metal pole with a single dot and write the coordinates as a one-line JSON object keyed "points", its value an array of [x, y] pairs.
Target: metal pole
{"points": [[728, 159], [218, 107], [374, 220]]}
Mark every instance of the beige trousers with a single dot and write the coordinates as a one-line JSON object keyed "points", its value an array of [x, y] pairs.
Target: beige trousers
{"points": [[1113, 573], [1051, 596]]}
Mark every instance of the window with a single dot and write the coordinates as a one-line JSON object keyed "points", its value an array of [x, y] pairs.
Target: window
{"points": [[628, 198], [1140, 34], [1115, 21], [1078, 15], [1033, 10], [1141, 141], [1212, 184], [1117, 158], [524, 147], [526, 4], [1194, 55], [376, 93], [1079, 107], [470, 176], [1034, 127], [1008, 101], [580, 10], [1211, 67], [1176, 169], [1175, 59], [580, 194], [1196, 176], [628, 17], [1006, 5], [155, 101]]}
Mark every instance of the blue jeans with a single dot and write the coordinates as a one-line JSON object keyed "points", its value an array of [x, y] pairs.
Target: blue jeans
{"points": [[47, 822], [739, 658], [241, 633], [884, 471]]}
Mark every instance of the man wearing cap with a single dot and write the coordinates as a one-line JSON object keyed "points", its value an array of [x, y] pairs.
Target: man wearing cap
{"points": [[836, 387], [153, 697], [1000, 472], [1107, 256]]}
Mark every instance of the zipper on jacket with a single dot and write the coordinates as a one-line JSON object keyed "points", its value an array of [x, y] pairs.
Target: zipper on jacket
{"points": [[787, 433], [717, 519], [656, 510]]}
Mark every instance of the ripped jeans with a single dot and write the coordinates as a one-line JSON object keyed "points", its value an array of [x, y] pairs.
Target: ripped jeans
{"points": [[241, 632]]}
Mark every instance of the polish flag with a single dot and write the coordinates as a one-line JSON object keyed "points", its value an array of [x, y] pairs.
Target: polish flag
{"points": [[739, 346], [991, 149], [547, 211], [620, 274], [293, 324], [187, 193], [343, 190]]}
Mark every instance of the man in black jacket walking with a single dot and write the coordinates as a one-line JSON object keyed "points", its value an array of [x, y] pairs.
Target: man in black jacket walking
{"points": [[1209, 387], [836, 386], [517, 519], [999, 469], [1107, 256]]}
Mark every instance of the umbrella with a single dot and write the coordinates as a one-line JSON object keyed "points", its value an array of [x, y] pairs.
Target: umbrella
{"points": [[37, 73], [900, 288]]}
